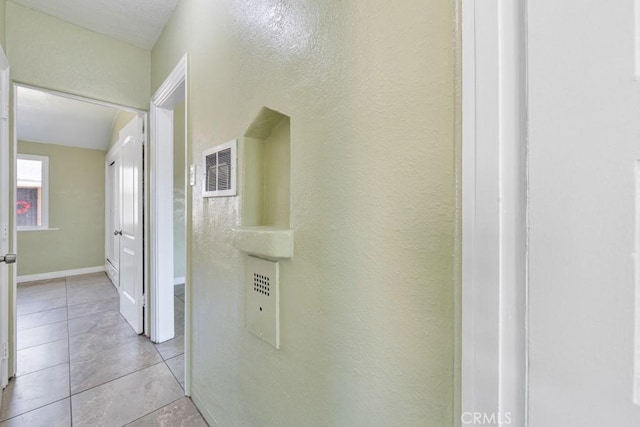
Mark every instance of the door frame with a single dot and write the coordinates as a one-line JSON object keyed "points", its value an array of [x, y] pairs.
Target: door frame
{"points": [[494, 364], [171, 92], [8, 368]]}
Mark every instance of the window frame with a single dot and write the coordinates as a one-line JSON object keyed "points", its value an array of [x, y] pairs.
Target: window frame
{"points": [[44, 215]]}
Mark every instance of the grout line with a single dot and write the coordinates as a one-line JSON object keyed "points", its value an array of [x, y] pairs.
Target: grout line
{"points": [[43, 343], [170, 370], [40, 370], [155, 410], [66, 293], [34, 409], [40, 326], [117, 378]]}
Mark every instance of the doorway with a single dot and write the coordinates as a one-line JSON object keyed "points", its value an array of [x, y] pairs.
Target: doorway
{"points": [[60, 142], [169, 217]]}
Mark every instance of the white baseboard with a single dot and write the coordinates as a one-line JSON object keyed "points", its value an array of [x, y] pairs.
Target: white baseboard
{"points": [[179, 280], [58, 274]]}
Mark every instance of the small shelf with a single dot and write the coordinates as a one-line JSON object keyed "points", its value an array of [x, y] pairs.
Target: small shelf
{"points": [[266, 241]]}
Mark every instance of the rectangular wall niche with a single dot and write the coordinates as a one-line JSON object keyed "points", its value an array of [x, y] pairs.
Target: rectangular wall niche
{"points": [[267, 166], [266, 172]]}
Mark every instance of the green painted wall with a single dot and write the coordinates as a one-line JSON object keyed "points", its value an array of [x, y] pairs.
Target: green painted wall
{"points": [[76, 207], [47, 52], [121, 120], [3, 9], [367, 302], [179, 254]]}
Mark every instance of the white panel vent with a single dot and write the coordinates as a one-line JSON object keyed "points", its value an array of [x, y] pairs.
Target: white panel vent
{"points": [[220, 170], [263, 307]]}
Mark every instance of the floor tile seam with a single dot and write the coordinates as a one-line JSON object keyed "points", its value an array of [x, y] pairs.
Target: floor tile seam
{"points": [[39, 298], [117, 378], [43, 343], [40, 370], [40, 326], [92, 302], [73, 318], [66, 289], [157, 409], [110, 348], [41, 311], [34, 409], [83, 359], [174, 375], [98, 329]]}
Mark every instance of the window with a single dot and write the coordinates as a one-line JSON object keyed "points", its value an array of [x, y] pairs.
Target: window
{"points": [[32, 193]]}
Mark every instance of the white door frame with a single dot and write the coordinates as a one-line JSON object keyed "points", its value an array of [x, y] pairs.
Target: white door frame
{"points": [[494, 209], [7, 238], [173, 90]]}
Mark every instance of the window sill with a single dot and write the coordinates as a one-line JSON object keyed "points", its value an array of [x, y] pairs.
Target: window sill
{"points": [[37, 229]]}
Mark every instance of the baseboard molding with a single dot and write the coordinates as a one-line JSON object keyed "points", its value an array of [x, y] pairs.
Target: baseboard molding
{"points": [[179, 280], [59, 274]]}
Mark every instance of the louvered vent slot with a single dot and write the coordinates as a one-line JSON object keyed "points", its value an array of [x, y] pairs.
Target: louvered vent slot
{"points": [[220, 170], [212, 167], [224, 169]]}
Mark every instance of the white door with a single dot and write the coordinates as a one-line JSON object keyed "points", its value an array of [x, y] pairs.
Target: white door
{"points": [[5, 214], [131, 244], [584, 211]]}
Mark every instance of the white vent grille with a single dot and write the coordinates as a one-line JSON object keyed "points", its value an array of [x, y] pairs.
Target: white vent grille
{"points": [[220, 170]]}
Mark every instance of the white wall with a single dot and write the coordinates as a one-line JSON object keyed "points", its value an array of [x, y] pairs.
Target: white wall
{"points": [[584, 139]]}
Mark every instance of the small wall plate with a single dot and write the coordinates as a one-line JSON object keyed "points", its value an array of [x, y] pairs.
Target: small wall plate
{"points": [[192, 175], [263, 299]]}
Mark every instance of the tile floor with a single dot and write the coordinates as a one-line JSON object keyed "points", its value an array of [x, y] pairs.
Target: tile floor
{"points": [[81, 364]]}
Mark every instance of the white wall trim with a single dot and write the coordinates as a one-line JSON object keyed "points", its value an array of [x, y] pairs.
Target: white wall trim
{"points": [[494, 214], [7, 238], [59, 274], [82, 98], [161, 269]]}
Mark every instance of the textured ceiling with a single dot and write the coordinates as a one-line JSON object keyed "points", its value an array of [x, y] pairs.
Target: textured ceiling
{"points": [[43, 117], [138, 22]]}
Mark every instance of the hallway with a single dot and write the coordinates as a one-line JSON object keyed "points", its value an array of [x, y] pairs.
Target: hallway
{"points": [[80, 363]]}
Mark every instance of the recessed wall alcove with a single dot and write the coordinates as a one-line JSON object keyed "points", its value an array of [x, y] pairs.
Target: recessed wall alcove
{"points": [[266, 181]]}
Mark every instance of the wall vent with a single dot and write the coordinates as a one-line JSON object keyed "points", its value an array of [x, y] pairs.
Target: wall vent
{"points": [[219, 164], [262, 304]]}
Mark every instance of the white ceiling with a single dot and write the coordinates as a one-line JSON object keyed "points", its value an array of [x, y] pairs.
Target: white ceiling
{"points": [[138, 22], [47, 118]]}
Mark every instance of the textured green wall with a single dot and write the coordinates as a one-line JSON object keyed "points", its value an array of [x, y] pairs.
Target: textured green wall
{"points": [[121, 120], [3, 9], [47, 52], [367, 316], [76, 207]]}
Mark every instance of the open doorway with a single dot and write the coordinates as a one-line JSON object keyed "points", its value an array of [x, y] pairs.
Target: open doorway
{"points": [[169, 213], [61, 142]]}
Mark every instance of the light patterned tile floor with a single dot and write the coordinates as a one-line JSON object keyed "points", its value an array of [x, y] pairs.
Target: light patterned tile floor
{"points": [[81, 364]]}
